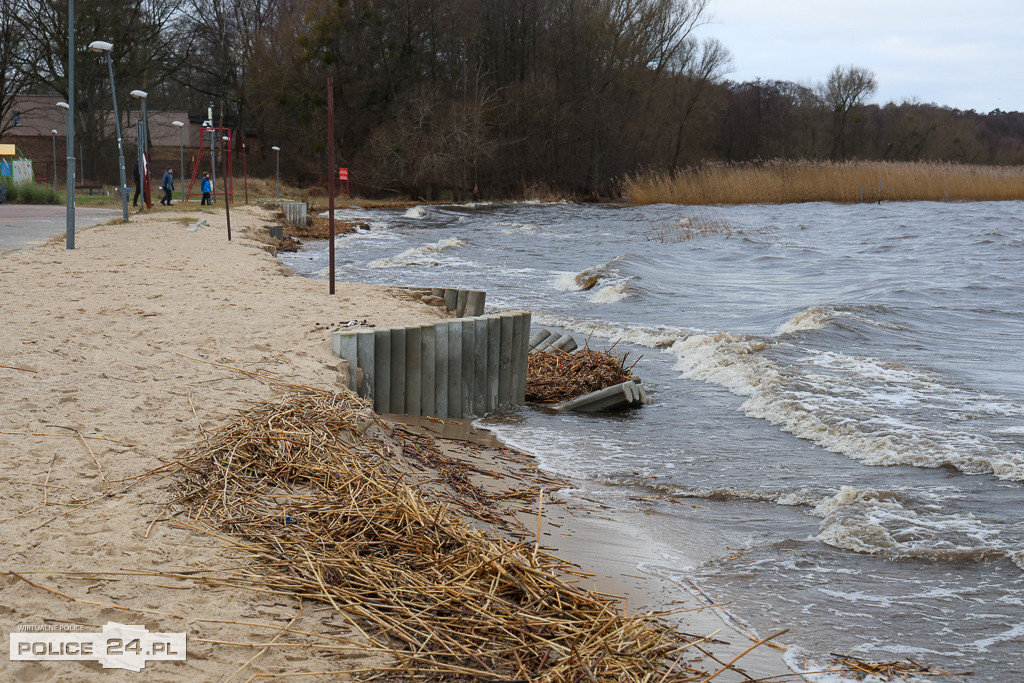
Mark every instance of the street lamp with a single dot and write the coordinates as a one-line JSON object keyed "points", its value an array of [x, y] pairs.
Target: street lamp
{"points": [[143, 135], [69, 212], [278, 186], [69, 228], [227, 182], [102, 46], [53, 135], [181, 155]]}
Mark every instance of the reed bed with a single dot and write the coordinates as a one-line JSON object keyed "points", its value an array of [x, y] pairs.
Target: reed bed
{"points": [[330, 511], [557, 376], [782, 182]]}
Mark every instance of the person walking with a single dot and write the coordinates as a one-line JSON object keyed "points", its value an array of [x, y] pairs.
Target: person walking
{"points": [[167, 185], [207, 188], [138, 185]]}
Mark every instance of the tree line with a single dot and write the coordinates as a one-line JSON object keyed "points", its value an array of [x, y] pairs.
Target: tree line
{"points": [[472, 97]]}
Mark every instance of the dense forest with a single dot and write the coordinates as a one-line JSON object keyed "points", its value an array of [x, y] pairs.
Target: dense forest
{"points": [[488, 97]]}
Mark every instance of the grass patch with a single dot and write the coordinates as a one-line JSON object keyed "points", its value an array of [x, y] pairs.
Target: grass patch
{"points": [[30, 193], [784, 182]]}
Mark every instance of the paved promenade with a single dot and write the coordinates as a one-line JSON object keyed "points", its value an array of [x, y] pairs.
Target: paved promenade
{"points": [[26, 225]]}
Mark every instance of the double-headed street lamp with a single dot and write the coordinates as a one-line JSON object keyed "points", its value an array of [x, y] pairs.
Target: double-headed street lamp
{"points": [[181, 155], [53, 135], [102, 46], [278, 186], [143, 135]]}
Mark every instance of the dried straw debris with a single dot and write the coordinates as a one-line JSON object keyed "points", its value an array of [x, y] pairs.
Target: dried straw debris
{"points": [[331, 509], [552, 377]]}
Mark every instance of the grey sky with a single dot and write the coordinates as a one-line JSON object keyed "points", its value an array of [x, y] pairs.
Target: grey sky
{"points": [[962, 54]]}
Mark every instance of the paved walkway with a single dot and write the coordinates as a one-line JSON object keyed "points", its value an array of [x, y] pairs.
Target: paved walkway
{"points": [[25, 225]]}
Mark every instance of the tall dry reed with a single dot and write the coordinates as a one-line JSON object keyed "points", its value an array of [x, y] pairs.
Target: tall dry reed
{"points": [[784, 182]]}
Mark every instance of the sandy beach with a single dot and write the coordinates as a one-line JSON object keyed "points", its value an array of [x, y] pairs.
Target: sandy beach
{"points": [[113, 359]]}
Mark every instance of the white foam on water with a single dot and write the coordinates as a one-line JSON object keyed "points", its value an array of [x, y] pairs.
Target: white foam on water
{"points": [[814, 318], [1013, 634], [650, 337], [856, 406], [877, 522], [824, 670], [585, 279], [417, 255], [415, 212], [612, 293], [519, 228]]}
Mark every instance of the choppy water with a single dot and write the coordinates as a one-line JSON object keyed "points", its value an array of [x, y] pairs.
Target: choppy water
{"points": [[838, 400]]}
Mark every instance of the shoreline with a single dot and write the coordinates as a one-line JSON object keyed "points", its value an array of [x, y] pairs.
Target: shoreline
{"points": [[108, 376]]}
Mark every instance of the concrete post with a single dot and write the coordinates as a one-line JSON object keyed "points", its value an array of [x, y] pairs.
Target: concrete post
{"points": [[441, 351], [524, 356], [365, 360], [518, 379], [413, 370], [468, 366], [454, 369], [428, 368], [505, 360], [493, 360], [451, 299], [480, 366], [475, 302], [382, 370], [344, 345], [397, 370], [460, 305], [541, 335]]}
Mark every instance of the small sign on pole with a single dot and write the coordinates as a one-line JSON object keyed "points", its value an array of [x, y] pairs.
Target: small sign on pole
{"points": [[343, 176]]}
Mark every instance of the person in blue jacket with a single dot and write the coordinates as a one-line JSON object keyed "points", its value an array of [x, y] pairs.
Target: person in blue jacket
{"points": [[207, 188], [167, 185]]}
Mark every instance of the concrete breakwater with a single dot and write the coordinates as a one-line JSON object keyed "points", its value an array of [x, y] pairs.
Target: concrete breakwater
{"points": [[462, 367], [462, 302]]}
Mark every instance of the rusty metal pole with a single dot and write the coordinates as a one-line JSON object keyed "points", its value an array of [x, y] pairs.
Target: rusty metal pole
{"points": [[227, 175], [330, 173]]}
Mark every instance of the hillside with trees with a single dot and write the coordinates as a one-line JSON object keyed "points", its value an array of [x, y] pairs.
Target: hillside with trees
{"points": [[474, 98]]}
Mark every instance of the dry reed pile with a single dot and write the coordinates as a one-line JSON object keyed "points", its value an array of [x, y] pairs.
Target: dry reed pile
{"points": [[781, 182], [329, 512], [559, 376]]}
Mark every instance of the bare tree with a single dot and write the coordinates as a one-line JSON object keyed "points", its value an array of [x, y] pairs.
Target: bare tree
{"points": [[13, 80], [846, 88]]}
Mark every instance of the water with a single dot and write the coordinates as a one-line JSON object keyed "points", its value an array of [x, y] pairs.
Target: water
{"points": [[836, 443]]}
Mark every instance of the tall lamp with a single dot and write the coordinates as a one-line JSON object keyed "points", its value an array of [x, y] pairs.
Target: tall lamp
{"points": [[144, 134], [103, 46], [181, 155], [53, 135], [278, 185], [69, 229]]}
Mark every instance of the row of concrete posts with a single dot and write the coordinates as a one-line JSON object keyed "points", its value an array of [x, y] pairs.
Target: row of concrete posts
{"points": [[461, 367]]}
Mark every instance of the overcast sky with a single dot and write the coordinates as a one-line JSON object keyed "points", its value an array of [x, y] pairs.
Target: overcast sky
{"points": [[966, 54]]}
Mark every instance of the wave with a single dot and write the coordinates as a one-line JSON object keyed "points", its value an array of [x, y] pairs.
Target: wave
{"points": [[417, 255], [814, 318], [415, 212], [886, 523], [865, 408], [586, 279]]}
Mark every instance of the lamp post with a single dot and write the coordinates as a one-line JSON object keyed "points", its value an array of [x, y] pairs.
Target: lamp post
{"points": [[278, 185], [143, 135], [53, 135], [181, 155], [69, 213], [227, 183], [102, 46], [69, 229]]}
